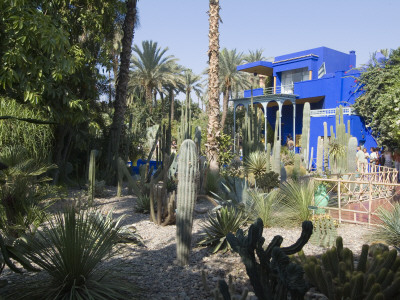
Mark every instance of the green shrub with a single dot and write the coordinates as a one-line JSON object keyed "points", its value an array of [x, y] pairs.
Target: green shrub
{"points": [[23, 191], [70, 249], [142, 204], [225, 153], [227, 219], [389, 230], [212, 182], [297, 196], [268, 181]]}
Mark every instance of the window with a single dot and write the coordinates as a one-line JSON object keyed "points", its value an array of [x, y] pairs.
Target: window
{"points": [[321, 71], [292, 76]]}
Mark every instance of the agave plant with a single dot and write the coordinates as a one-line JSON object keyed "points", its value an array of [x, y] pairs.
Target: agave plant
{"points": [[227, 219], [389, 230], [70, 249], [297, 196]]}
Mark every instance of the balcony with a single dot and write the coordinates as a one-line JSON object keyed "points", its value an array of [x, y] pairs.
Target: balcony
{"points": [[279, 90]]}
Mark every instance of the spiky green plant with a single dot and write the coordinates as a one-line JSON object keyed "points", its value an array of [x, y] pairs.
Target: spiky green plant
{"points": [[336, 153], [389, 230], [256, 163], [70, 248], [297, 196], [23, 189], [265, 205], [227, 219]]}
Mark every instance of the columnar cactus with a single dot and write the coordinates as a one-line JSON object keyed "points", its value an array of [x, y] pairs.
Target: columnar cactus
{"points": [[351, 154], [185, 130], [276, 153], [320, 154], [305, 135], [187, 175], [251, 131], [268, 157], [272, 275], [197, 138], [296, 166], [92, 176], [326, 147]]}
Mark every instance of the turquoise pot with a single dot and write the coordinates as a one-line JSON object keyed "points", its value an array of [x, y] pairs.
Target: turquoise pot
{"points": [[321, 199]]}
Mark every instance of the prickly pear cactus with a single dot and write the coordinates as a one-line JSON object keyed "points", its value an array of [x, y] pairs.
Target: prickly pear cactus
{"points": [[188, 168]]}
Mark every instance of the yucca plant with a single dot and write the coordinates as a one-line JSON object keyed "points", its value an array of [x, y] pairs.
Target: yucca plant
{"points": [[297, 196], [227, 219], [70, 249], [257, 163], [265, 206], [389, 229]]}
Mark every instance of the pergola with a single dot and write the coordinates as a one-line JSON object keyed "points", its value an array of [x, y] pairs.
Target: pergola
{"points": [[265, 68]]}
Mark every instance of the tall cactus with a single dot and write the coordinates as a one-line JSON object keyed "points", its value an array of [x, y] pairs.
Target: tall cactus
{"points": [[326, 148], [320, 154], [187, 174], [268, 157], [185, 130], [92, 176], [351, 154], [276, 152], [251, 131], [197, 138], [305, 135]]}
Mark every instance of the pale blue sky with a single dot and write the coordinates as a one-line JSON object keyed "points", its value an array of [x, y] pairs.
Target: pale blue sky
{"points": [[279, 27]]}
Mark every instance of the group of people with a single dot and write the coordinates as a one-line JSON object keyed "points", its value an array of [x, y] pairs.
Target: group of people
{"points": [[385, 158]]}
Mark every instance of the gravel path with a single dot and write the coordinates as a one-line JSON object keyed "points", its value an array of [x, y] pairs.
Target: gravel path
{"points": [[153, 267]]}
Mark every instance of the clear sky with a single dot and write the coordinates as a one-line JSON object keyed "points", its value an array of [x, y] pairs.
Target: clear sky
{"points": [[278, 27]]}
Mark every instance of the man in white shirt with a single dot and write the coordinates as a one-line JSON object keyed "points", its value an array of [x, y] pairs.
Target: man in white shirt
{"points": [[360, 158]]}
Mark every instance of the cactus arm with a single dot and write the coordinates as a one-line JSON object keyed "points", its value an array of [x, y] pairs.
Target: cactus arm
{"points": [[307, 229]]}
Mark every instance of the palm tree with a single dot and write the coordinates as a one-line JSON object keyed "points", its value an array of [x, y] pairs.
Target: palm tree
{"points": [[256, 55], [230, 78], [213, 128], [152, 68], [122, 86]]}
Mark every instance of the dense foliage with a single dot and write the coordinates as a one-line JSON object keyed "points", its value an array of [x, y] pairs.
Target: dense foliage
{"points": [[379, 103]]}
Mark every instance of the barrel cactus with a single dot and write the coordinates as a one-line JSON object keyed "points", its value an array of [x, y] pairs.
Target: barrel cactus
{"points": [[187, 174]]}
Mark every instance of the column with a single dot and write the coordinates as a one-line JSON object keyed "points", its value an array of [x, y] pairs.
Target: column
{"points": [[274, 84], [294, 125], [310, 75], [265, 125], [280, 121]]}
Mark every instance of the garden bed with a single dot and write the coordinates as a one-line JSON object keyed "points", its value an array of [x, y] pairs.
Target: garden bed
{"points": [[153, 267]]}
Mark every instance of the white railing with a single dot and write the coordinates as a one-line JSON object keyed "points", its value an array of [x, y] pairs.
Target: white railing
{"points": [[282, 89], [329, 112]]}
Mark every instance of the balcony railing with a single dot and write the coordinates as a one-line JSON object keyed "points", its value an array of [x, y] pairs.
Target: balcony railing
{"points": [[282, 89], [329, 112]]}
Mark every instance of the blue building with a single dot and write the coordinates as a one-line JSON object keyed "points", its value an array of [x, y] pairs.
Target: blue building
{"points": [[321, 76]]}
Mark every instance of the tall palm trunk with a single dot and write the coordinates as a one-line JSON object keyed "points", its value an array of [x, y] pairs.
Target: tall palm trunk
{"points": [[149, 97], [172, 99], [225, 107], [121, 89], [213, 128]]}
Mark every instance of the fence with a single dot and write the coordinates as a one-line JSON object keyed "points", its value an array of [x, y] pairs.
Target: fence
{"points": [[356, 197]]}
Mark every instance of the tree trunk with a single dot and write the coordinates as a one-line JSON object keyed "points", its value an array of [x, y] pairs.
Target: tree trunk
{"points": [[213, 129], [149, 97], [172, 99], [224, 108], [121, 89]]}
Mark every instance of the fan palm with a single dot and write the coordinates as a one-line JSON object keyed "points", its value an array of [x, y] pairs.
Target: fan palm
{"points": [[152, 68], [230, 78]]}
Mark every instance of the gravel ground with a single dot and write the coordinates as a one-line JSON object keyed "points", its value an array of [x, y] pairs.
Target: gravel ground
{"points": [[152, 267]]}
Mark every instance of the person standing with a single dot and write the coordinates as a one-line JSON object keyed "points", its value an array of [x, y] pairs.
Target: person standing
{"points": [[396, 158], [388, 158], [366, 154], [360, 158]]}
